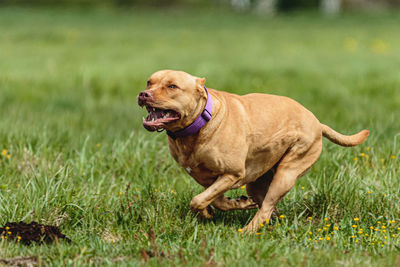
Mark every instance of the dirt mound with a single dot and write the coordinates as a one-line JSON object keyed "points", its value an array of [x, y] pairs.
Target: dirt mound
{"points": [[27, 233]]}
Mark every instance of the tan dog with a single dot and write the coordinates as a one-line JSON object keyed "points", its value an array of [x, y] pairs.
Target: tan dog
{"points": [[263, 141]]}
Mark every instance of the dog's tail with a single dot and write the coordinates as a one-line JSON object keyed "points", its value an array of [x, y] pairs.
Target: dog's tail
{"points": [[344, 140]]}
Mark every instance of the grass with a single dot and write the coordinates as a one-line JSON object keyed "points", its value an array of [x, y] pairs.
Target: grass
{"points": [[75, 153]]}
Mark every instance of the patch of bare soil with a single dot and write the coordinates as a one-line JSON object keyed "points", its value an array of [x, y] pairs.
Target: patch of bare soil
{"points": [[27, 233]]}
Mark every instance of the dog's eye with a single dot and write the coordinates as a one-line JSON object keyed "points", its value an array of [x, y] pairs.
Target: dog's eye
{"points": [[148, 83], [172, 86]]}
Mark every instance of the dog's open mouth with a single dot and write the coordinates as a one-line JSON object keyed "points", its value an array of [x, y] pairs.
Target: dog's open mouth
{"points": [[158, 118]]}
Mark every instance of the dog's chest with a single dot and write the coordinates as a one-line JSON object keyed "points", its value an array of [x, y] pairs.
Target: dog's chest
{"points": [[194, 164]]}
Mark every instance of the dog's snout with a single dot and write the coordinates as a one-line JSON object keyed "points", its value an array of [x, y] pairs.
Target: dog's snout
{"points": [[144, 94], [143, 97]]}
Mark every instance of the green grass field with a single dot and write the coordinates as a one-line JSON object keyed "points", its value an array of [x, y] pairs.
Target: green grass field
{"points": [[74, 153]]}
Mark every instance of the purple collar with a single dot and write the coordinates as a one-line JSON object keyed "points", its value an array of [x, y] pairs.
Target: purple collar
{"points": [[198, 123]]}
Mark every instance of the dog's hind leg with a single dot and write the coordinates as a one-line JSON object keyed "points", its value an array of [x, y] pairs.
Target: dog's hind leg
{"points": [[240, 203], [259, 188], [292, 166]]}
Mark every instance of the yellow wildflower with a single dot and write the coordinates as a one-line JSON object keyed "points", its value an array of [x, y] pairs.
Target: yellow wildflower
{"points": [[369, 192], [328, 238], [379, 222], [8, 156], [382, 160], [282, 216], [360, 232], [353, 236], [325, 219], [243, 187], [335, 228], [383, 227], [355, 159], [310, 233], [98, 145], [366, 156], [362, 155], [240, 230], [262, 225], [393, 156], [302, 187], [379, 47], [328, 225], [371, 227], [321, 238], [356, 219], [4, 152], [267, 221], [310, 218], [9, 232], [258, 233], [354, 226], [7, 228]]}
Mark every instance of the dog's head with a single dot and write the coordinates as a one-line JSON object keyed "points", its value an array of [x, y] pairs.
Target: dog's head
{"points": [[173, 99]]}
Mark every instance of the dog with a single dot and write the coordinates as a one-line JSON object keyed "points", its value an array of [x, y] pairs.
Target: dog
{"points": [[225, 141]]}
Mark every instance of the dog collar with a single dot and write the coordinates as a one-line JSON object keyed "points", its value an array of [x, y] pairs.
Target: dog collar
{"points": [[198, 123]]}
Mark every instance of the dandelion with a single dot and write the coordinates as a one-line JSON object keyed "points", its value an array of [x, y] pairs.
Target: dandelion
{"points": [[360, 232], [384, 231], [9, 232], [373, 243], [120, 193], [366, 234], [382, 245], [319, 230], [328, 238], [371, 227], [262, 225], [172, 191], [7, 228], [379, 47], [310, 233], [4, 152], [8, 156], [328, 225], [356, 240], [282, 216], [382, 160], [354, 226], [379, 222], [258, 233], [302, 188], [356, 219], [353, 236], [240, 230], [2, 237], [366, 156], [243, 187], [369, 192], [156, 190], [325, 228], [19, 238], [310, 239], [362, 154], [398, 228], [393, 157], [321, 238], [355, 159], [383, 227], [310, 218], [335, 228], [325, 219], [98, 145], [267, 221]]}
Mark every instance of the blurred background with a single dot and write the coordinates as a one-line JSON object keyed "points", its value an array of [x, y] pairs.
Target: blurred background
{"points": [[70, 69]]}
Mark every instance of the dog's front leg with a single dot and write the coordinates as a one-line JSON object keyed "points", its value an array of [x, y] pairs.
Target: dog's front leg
{"points": [[200, 202]]}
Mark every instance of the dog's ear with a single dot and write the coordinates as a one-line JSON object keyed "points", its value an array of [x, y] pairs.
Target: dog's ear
{"points": [[201, 81]]}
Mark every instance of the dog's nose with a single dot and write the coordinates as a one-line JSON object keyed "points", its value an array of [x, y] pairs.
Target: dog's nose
{"points": [[143, 97]]}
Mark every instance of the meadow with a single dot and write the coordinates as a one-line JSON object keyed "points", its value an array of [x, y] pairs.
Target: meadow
{"points": [[74, 153]]}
